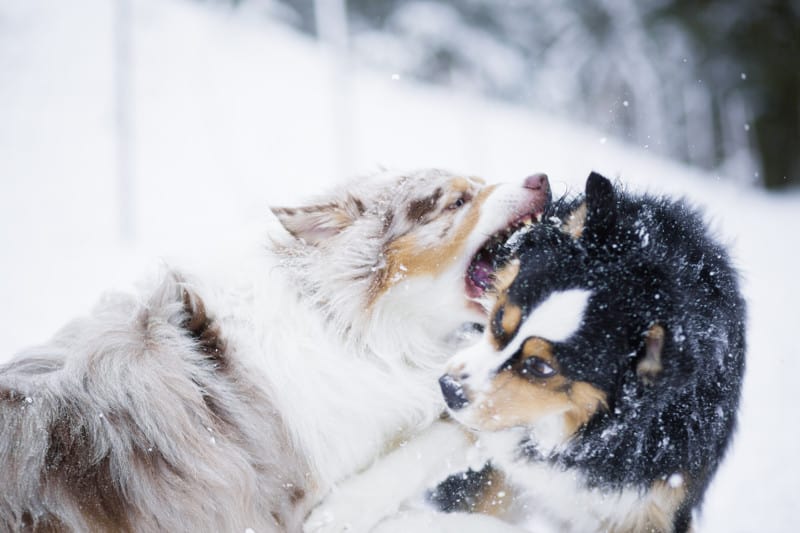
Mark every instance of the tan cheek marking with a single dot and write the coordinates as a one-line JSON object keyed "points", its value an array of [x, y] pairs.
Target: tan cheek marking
{"points": [[655, 512], [585, 400], [513, 401], [503, 280], [415, 260], [575, 222], [498, 338], [504, 277]]}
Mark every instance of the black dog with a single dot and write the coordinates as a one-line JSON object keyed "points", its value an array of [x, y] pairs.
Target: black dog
{"points": [[608, 382]]}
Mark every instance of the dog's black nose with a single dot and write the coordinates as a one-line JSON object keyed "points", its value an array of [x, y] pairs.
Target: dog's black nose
{"points": [[453, 392]]}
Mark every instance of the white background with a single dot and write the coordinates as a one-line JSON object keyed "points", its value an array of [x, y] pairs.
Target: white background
{"points": [[229, 114]]}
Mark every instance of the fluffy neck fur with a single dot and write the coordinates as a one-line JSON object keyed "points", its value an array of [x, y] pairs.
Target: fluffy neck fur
{"points": [[408, 324], [347, 378]]}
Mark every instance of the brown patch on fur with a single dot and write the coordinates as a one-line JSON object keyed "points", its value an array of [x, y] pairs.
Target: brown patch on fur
{"points": [[204, 330], [515, 400], [496, 495], [505, 276], [512, 315], [43, 524], [586, 400], [359, 205], [655, 512], [296, 495], [70, 466], [538, 347], [419, 209], [506, 319], [575, 222], [405, 252], [388, 219], [459, 186], [206, 333], [8, 395], [650, 366], [503, 279]]}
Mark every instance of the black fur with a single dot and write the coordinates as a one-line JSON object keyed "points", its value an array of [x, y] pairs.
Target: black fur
{"points": [[648, 261], [460, 492]]}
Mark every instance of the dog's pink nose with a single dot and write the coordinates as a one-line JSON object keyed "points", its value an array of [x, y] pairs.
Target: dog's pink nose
{"points": [[537, 182]]}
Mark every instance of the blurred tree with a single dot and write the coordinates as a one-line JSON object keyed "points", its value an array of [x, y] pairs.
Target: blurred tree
{"points": [[761, 39], [715, 83]]}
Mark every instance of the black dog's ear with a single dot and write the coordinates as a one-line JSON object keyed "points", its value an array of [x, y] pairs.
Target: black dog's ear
{"points": [[650, 366], [601, 208]]}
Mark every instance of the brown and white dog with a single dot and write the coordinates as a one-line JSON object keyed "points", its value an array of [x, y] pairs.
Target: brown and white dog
{"points": [[237, 402]]}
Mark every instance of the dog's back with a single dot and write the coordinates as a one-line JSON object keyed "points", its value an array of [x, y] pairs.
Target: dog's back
{"points": [[136, 417], [660, 265]]}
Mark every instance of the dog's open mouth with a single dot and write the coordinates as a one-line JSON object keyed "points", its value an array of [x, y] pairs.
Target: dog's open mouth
{"points": [[494, 254]]}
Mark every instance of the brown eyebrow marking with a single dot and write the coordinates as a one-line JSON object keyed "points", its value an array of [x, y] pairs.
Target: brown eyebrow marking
{"points": [[417, 209], [540, 348], [505, 320], [575, 222]]}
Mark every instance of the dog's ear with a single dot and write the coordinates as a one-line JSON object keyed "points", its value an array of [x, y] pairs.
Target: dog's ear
{"points": [[317, 223], [650, 366], [601, 208]]}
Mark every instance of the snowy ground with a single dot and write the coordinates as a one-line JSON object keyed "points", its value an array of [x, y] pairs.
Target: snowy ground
{"points": [[232, 114]]}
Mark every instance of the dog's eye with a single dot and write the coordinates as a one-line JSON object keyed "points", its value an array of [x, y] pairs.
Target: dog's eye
{"points": [[537, 367], [463, 199]]}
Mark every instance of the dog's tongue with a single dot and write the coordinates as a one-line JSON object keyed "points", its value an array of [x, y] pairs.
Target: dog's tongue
{"points": [[481, 273]]}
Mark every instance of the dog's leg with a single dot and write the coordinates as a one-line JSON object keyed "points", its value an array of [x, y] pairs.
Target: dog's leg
{"points": [[363, 500]]}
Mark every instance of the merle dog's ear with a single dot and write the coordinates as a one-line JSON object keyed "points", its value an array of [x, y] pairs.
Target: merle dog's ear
{"points": [[601, 208], [316, 223]]}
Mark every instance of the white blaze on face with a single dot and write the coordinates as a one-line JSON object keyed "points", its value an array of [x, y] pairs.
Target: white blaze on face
{"points": [[556, 319]]}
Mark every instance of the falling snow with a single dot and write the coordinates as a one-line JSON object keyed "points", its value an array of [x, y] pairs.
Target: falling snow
{"points": [[61, 255]]}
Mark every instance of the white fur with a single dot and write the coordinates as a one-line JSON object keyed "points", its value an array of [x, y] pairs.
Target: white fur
{"points": [[321, 381], [555, 493], [557, 318]]}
